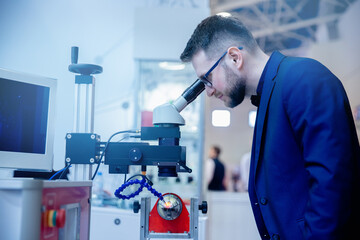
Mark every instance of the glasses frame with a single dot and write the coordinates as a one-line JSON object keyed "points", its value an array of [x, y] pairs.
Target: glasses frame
{"points": [[204, 79]]}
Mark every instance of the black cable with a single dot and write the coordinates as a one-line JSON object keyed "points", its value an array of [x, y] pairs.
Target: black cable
{"points": [[140, 175], [102, 155], [65, 169], [58, 172], [124, 138], [107, 144]]}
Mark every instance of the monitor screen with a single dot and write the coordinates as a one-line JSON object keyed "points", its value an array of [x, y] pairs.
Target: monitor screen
{"points": [[26, 121]]}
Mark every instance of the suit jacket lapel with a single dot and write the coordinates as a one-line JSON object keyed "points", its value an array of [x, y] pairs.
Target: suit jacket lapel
{"points": [[269, 84]]}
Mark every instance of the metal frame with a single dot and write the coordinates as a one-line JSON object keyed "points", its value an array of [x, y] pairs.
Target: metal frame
{"points": [[273, 21], [64, 232]]}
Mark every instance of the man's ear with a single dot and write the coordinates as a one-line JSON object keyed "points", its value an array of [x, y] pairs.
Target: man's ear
{"points": [[236, 57]]}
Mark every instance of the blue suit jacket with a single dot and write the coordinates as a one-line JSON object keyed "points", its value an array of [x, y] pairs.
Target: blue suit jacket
{"points": [[304, 175]]}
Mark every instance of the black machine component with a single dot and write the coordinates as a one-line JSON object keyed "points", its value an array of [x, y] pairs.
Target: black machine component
{"points": [[85, 148], [82, 148], [168, 155]]}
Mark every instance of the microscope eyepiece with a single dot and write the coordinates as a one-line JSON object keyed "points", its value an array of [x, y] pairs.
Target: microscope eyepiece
{"points": [[193, 91]]}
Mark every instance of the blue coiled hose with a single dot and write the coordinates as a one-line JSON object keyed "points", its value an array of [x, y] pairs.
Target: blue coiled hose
{"points": [[143, 183]]}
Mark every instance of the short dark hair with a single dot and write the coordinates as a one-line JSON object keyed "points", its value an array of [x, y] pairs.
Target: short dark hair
{"points": [[217, 149], [216, 34]]}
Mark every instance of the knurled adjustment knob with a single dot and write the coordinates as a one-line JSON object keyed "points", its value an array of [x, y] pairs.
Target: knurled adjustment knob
{"points": [[203, 207], [136, 206], [135, 154]]}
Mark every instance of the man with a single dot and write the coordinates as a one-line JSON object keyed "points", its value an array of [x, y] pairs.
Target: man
{"points": [[304, 174], [215, 170]]}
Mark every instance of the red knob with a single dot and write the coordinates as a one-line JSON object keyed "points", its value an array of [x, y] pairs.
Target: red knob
{"points": [[54, 218], [60, 218]]}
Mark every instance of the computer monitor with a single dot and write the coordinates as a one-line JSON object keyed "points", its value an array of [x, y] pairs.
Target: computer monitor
{"points": [[27, 114]]}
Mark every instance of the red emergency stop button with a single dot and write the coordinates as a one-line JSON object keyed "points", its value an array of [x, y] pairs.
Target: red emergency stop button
{"points": [[55, 218], [60, 218]]}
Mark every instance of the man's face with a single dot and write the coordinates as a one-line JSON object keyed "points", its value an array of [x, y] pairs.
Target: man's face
{"points": [[227, 83]]}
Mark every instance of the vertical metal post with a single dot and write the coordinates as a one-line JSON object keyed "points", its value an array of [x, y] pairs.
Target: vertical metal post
{"points": [[87, 109], [77, 108], [201, 126], [144, 218], [92, 114], [84, 107], [84, 121], [194, 218]]}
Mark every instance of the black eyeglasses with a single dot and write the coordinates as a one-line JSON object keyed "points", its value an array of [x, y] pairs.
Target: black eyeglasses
{"points": [[204, 79]]}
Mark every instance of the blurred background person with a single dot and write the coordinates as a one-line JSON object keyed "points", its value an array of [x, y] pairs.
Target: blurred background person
{"points": [[215, 170]]}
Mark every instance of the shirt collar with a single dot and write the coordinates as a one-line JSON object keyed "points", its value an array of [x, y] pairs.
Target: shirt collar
{"points": [[270, 70]]}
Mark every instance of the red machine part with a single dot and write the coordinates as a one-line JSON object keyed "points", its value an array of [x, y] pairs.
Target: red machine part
{"points": [[54, 218], [56, 197], [180, 224]]}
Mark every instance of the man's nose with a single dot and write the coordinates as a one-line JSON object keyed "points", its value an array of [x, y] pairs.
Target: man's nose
{"points": [[209, 91]]}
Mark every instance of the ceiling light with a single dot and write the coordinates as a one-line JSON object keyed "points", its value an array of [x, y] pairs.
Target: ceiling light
{"points": [[172, 65], [220, 118], [224, 14]]}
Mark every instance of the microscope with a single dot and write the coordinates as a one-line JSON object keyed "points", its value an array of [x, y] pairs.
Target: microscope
{"points": [[168, 156], [169, 217]]}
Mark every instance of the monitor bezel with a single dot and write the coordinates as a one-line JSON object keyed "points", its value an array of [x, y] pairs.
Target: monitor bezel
{"points": [[33, 161]]}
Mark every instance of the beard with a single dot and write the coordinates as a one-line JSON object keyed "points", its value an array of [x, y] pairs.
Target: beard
{"points": [[236, 89]]}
